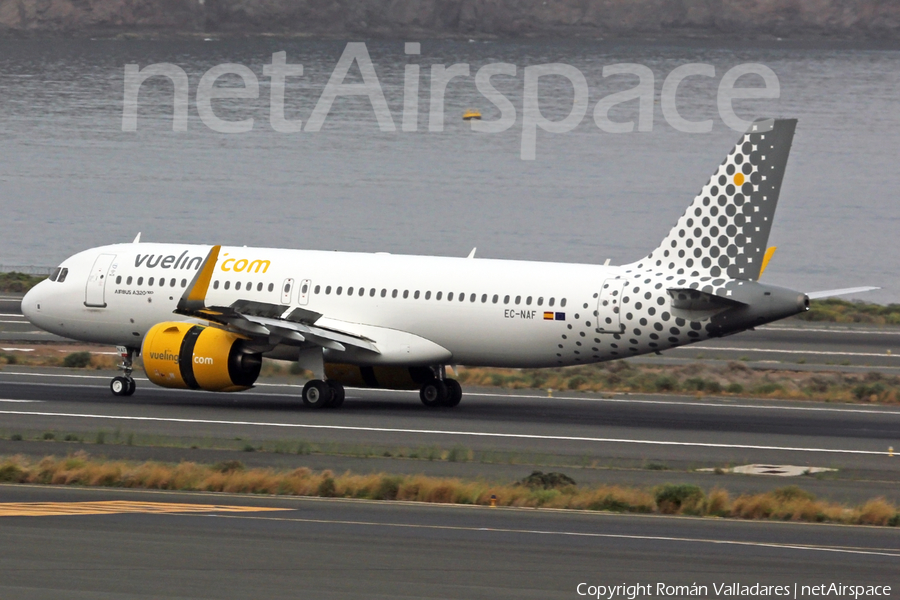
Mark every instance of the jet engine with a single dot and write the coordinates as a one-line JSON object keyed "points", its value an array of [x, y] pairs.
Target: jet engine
{"points": [[392, 378], [189, 356]]}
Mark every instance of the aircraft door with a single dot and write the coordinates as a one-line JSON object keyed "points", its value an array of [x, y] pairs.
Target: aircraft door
{"points": [[95, 291], [286, 290], [303, 297], [609, 317]]}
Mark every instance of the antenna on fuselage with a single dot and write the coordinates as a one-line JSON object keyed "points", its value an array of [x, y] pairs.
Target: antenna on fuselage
{"points": [[472, 253], [137, 238]]}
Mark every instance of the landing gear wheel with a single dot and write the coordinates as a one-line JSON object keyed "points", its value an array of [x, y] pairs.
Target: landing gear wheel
{"points": [[454, 392], [434, 393], [120, 386], [132, 386], [337, 391], [317, 394]]}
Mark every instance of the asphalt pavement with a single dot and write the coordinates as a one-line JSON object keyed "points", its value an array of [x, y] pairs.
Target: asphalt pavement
{"points": [[137, 544]]}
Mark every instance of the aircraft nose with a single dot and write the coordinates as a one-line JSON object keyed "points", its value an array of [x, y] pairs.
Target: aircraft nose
{"points": [[31, 302]]}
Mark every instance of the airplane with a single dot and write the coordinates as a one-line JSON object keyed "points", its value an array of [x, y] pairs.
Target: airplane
{"points": [[203, 317]]}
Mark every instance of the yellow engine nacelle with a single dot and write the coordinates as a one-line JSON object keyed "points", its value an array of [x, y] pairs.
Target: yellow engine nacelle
{"points": [[188, 356], [391, 378]]}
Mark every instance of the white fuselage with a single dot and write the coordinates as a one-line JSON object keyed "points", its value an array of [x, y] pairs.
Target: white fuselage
{"points": [[465, 311]]}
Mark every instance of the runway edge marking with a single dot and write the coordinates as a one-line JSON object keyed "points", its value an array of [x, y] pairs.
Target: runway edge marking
{"points": [[485, 434]]}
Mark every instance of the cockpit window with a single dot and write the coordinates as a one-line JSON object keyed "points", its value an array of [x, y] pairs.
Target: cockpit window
{"points": [[62, 276], [54, 274]]}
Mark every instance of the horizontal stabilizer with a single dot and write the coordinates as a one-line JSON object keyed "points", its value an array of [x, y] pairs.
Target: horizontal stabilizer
{"points": [[843, 292]]}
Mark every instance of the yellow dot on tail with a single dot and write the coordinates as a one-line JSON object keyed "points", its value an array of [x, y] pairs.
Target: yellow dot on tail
{"points": [[739, 179]]}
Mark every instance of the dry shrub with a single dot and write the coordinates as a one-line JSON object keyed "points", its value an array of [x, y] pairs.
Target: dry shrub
{"points": [[718, 503], [877, 512], [615, 498], [789, 503], [759, 506]]}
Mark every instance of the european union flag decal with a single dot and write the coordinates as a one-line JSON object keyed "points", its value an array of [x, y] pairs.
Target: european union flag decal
{"points": [[560, 316]]}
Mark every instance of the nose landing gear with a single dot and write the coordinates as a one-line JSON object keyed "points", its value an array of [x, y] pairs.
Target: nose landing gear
{"points": [[124, 385]]}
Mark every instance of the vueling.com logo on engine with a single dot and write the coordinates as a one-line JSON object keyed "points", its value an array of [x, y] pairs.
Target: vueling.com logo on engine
{"points": [[242, 265], [164, 356]]}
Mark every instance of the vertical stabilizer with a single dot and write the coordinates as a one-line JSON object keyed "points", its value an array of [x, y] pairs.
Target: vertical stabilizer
{"points": [[725, 230]]}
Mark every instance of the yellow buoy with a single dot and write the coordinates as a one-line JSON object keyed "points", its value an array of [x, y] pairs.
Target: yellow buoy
{"points": [[471, 114]]}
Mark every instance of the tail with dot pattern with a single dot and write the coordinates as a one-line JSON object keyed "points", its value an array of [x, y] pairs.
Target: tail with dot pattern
{"points": [[724, 231]]}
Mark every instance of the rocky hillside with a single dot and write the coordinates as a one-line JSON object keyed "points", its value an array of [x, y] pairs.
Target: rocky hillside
{"points": [[842, 19]]}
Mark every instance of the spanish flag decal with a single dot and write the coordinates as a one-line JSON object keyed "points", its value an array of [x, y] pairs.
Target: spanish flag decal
{"points": [[548, 316], [551, 316]]}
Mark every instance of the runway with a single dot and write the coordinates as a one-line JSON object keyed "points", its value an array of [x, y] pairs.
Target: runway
{"points": [[319, 548], [623, 432]]}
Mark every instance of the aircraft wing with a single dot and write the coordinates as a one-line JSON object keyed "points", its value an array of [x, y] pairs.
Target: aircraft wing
{"points": [[264, 323]]}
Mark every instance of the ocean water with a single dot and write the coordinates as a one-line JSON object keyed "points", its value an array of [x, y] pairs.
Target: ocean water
{"points": [[71, 178]]}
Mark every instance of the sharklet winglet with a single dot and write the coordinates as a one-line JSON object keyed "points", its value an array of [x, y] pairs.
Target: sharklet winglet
{"points": [[194, 297]]}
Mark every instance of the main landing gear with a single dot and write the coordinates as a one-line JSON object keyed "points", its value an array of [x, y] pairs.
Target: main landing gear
{"points": [[446, 392], [124, 385], [323, 394]]}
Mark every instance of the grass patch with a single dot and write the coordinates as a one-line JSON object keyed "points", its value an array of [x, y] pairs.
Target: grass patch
{"points": [[732, 378], [18, 283], [552, 490], [835, 310]]}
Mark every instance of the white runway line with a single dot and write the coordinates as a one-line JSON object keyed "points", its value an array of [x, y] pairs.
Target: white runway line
{"points": [[481, 434], [817, 352], [873, 411], [822, 330], [614, 536]]}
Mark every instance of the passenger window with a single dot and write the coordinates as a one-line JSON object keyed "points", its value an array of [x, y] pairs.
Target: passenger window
{"points": [[450, 296], [405, 294], [227, 285], [140, 281], [362, 292], [172, 282], [151, 281], [528, 301], [505, 299], [162, 282], [552, 300], [372, 293], [318, 289], [62, 275], [271, 287], [383, 292], [541, 301], [494, 299], [483, 298], [518, 299], [394, 294], [349, 291], [237, 285], [472, 298], [118, 279], [128, 281], [438, 295], [339, 290], [54, 274], [327, 289], [416, 295], [462, 297], [216, 284], [428, 295], [249, 284], [259, 286], [304, 289], [562, 302]]}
